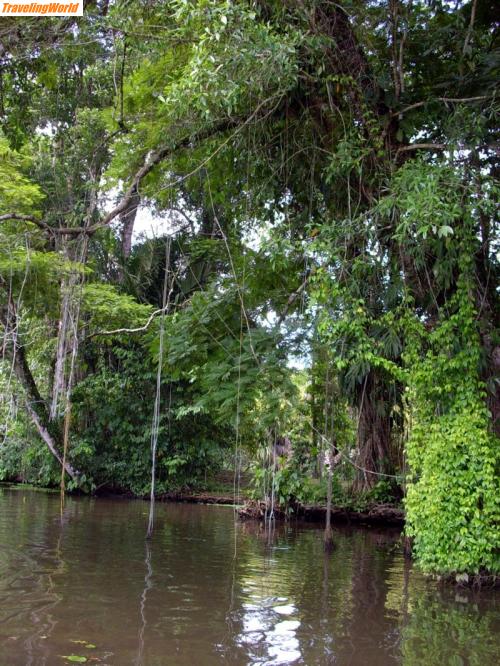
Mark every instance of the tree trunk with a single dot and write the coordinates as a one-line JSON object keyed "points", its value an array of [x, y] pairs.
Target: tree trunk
{"points": [[328, 535], [38, 412], [36, 407], [58, 383], [374, 434], [334, 458], [127, 219]]}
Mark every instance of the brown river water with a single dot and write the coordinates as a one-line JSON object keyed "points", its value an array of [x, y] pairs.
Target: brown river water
{"points": [[207, 590]]}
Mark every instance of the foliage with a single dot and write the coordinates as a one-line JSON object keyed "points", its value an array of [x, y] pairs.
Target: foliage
{"points": [[322, 171], [107, 308], [453, 497], [16, 191], [113, 406]]}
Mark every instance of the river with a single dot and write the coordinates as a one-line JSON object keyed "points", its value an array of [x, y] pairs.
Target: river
{"points": [[86, 587]]}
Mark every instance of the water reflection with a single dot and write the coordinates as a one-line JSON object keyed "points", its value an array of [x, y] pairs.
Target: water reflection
{"points": [[466, 634], [142, 606], [267, 637], [207, 591], [35, 586]]}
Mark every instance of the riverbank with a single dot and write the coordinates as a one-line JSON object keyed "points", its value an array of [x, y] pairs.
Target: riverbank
{"points": [[375, 514], [248, 509], [379, 514]]}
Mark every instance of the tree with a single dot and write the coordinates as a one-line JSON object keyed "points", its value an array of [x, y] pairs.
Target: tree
{"points": [[325, 170]]}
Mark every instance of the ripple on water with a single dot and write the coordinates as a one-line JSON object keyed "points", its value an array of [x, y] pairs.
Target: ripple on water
{"points": [[287, 609]]}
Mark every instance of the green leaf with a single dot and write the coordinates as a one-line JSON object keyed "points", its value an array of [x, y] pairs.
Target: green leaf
{"points": [[444, 231]]}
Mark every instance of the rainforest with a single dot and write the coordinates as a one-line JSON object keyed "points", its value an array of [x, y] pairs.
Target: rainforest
{"points": [[249, 253]]}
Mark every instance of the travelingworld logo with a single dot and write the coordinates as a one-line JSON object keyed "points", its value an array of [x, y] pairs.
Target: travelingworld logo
{"points": [[41, 8]]}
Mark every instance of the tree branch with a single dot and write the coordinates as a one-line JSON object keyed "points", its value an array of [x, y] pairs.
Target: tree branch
{"points": [[138, 329], [451, 100], [154, 158], [421, 146], [26, 218], [292, 298], [471, 27]]}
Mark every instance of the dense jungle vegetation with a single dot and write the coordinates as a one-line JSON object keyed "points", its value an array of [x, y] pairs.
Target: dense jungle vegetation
{"points": [[326, 277]]}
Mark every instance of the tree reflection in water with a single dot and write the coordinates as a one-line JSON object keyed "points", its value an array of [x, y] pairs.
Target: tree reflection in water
{"points": [[466, 635], [190, 598], [142, 606]]}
